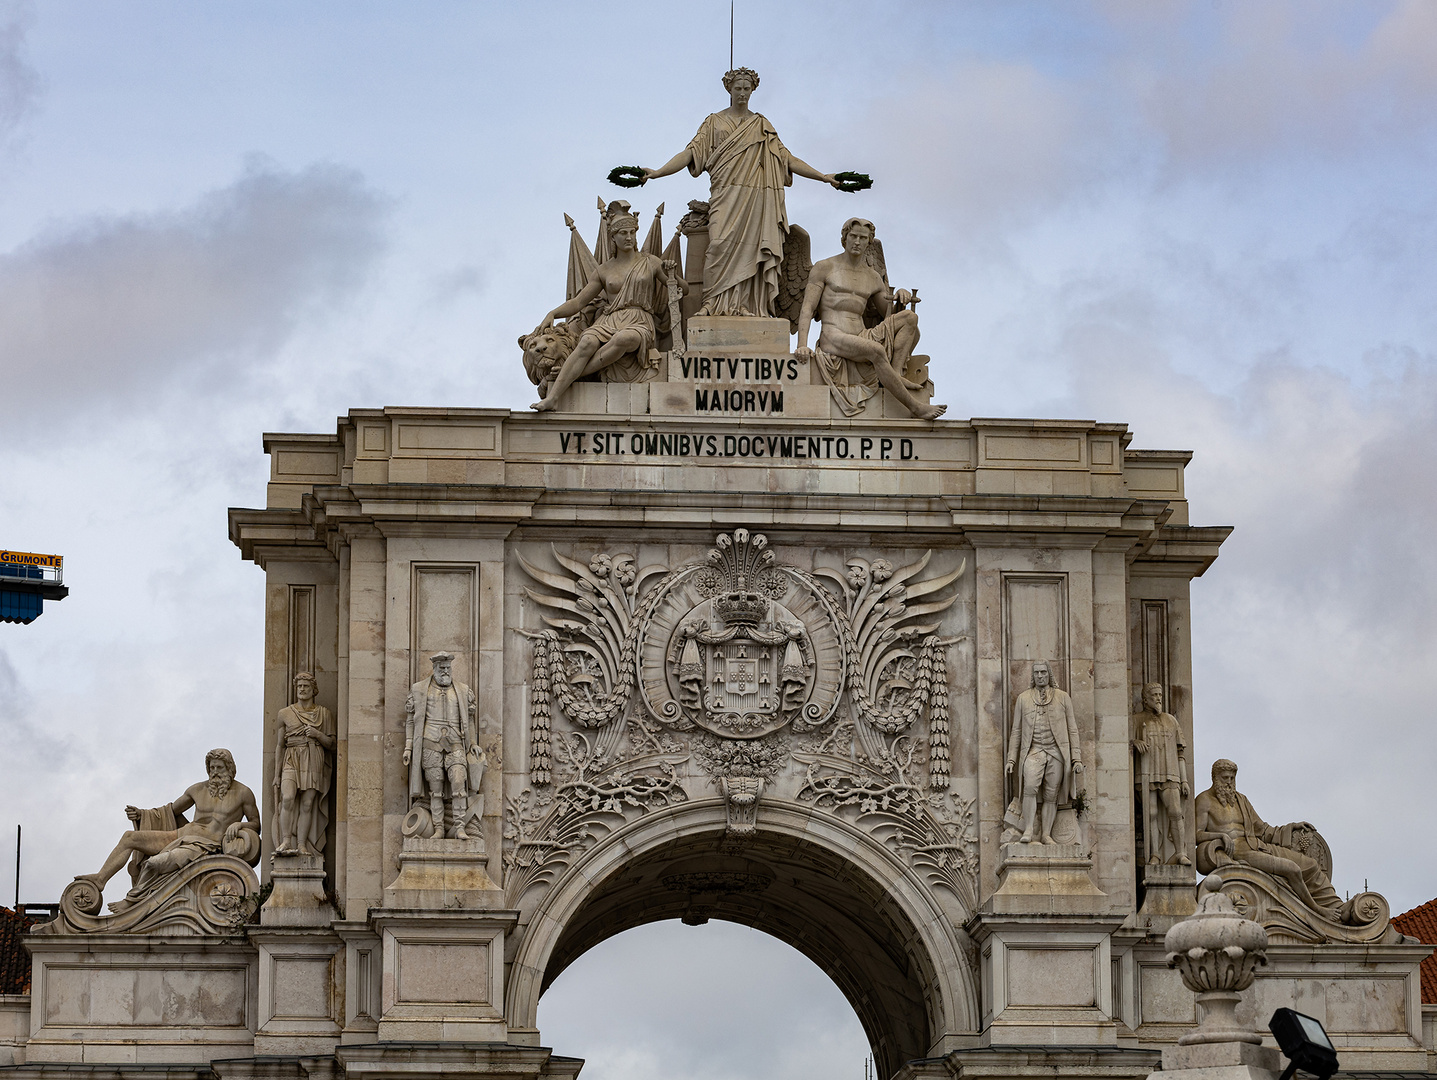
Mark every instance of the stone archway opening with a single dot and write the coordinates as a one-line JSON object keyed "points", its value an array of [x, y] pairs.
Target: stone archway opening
{"points": [[716, 1000], [806, 895]]}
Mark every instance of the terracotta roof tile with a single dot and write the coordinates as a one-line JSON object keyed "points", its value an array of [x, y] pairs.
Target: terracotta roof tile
{"points": [[14, 957], [1421, 923]]}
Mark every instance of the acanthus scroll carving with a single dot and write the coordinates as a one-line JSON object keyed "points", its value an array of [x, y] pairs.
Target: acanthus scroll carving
{"points": [[934, 831]]}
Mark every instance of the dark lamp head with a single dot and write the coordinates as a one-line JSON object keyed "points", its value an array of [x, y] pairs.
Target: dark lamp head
{"points": [[1304, 1043]]}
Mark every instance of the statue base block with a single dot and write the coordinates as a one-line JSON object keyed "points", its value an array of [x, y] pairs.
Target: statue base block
{"points": [[746, 335], [443, 975], [1169, 890], [443, 874], [136, 1000], [1222, 1056], [297, 898], [1044, 878], [1221, 1061]]}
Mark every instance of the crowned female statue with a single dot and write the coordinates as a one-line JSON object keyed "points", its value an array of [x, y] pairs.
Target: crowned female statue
{"points": [[748, 169]]}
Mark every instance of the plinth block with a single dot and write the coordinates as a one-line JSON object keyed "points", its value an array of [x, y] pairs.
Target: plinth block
{"points": [[443, 975], [1169, 890], [442, 874], [1205, 1057], [738, 333], [1054, 878], [297, 897], [298, 991]]}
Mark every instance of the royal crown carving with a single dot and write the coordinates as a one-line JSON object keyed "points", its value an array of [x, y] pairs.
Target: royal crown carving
{"points": [[740, 647]]}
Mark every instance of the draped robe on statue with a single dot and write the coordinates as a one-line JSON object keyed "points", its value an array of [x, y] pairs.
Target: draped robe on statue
{"points": [[748, 169]]}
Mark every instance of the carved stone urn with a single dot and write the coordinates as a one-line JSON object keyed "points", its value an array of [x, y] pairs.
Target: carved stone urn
{"points": [[1217, 952]]}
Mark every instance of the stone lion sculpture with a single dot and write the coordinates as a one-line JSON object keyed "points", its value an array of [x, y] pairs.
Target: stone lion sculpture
{"points": [[546, 350]]}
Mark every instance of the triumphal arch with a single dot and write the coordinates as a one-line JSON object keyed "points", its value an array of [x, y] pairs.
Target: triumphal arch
{"points": [[737, 624]]}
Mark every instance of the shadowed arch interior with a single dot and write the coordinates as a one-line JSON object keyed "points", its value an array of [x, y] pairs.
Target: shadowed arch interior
{"points": [[806, 896]]}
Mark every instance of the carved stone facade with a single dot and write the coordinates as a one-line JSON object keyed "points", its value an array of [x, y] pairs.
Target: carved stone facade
{"points": [[768, 672]]}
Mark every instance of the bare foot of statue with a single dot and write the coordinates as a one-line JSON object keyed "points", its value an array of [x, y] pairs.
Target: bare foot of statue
{"points": [[1026, 838], [1183, 860], [1049, 840], [931, 412], [545, 405]]}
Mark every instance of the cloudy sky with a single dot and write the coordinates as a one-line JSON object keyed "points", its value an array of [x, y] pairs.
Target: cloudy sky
{"points": [[1214, 221]]}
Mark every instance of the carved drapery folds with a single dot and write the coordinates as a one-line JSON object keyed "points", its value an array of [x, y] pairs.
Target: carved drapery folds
{"points": [[734, 659]]}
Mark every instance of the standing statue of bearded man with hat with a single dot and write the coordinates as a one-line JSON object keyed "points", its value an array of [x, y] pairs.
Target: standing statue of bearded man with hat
{"points": [[441, 745]]}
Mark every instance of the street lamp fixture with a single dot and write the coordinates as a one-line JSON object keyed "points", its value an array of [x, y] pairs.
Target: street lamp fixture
{"points": [[1304, 1043]]}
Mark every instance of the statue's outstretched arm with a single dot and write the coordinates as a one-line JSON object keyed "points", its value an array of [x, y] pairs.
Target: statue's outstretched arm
{"points": [[803, 168], [681, 160]]}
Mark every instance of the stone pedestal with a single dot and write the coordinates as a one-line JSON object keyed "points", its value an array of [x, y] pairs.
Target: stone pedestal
{"points": [[1047, 980], [442, 874], [297, 897], [299, 992], [443, 975], [737, 335], [385, 1061], [141, 998], [738, 367], [1168, 891], [1045, 877], [14, 1028], [1217, 1060]]}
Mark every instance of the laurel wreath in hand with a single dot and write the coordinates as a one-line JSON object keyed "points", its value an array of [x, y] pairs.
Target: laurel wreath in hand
{"points": [[627, 176], [848, 181]]}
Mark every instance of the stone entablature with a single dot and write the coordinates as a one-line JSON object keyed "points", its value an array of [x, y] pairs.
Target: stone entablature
{"points": [[633, 450]]}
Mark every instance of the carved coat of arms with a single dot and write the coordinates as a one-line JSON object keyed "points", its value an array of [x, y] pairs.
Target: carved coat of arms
{"points": [[740, 648]]}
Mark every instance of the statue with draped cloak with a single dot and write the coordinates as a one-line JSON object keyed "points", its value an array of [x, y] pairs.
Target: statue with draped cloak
{"points": [[748, 169]]}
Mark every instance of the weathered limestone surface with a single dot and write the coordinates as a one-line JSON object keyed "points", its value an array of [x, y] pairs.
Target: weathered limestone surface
{"points": [[141, 999], [464, 530], [14, 1028], [758, 669]]}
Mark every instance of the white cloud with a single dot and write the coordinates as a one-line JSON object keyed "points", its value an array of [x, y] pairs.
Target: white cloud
{"points": [[1313, 635], [118, 309], [1240, 82]]}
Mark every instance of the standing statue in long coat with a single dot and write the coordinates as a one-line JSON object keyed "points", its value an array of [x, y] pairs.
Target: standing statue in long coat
{"points": [[441, 746], [1045, 758]]}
